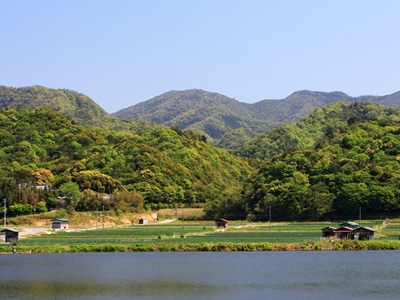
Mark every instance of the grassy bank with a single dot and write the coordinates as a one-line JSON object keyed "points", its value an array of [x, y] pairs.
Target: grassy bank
{"points": [[345, 245]]}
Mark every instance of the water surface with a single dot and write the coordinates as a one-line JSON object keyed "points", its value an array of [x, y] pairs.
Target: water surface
{"points": [[202, 275]]}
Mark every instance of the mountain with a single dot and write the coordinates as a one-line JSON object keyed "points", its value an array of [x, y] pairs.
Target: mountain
{"points": [[76, 106], [224, 119], [210, 114], [305, 133]]}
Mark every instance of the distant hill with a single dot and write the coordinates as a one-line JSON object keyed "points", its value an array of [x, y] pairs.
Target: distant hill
{"points": [[308, 131], [210, 114], [78, 107], [225, 120]]}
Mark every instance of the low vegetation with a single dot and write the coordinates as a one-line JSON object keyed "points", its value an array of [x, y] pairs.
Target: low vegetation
{"points": [[181, 235]]}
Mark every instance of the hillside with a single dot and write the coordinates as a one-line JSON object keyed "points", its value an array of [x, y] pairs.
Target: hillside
{"points": [[223, 121], [209, 114], [353, 165], [162, 166], [305, 133], [230, 123], [78, 107]]}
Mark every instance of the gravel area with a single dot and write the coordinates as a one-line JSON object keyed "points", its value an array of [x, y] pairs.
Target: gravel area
{"points": [[26, 231]]}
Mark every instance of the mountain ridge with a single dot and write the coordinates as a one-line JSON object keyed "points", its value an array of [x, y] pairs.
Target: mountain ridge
{"points": [[224, 121], [216, 115]]}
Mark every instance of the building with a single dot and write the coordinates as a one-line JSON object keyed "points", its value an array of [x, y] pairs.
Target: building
{"points": [[364, 234], [59, 224], [221, 223], [143, 221], [11, 236], [328, 232], [344, 233], [350, 224], [348, 231]]}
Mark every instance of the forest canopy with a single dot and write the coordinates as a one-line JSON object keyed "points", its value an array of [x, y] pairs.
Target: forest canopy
{"points": [[40, 151]]}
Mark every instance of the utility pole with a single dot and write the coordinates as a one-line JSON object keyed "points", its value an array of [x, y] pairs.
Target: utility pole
{"points": [[269, 220], [97, 218], [183, 207], [359, 213], [5, 212], [103, 216]]}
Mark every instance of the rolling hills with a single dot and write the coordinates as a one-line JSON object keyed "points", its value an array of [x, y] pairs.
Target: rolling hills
{"points": [[224, 121], [228, 122]]}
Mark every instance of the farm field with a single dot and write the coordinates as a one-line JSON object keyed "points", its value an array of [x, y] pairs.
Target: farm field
{"points": [[204, 232]]}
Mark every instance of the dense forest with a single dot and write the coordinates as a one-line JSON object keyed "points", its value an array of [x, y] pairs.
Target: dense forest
{"points": [[55, 152], [228, 123], [353, 165], [305, 133], [76, 106], [163, 167]]}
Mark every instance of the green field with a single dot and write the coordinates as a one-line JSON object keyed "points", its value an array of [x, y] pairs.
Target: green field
{"points": [[203, 232]]}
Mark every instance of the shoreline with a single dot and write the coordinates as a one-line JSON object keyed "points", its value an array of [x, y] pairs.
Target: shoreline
{"points": [[340, 245]]}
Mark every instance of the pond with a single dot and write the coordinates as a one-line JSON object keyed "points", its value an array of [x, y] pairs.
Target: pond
{"points": [[202, 275]]}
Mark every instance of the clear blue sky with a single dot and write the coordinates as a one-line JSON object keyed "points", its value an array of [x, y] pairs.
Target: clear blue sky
{"points": [[120, 53]]}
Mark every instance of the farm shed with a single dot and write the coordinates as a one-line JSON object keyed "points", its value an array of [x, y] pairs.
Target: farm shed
{"points": [[10, 235], [143, 221], [328, 232], [364, 233], [59, 223], [344, 233], [349, 230], [221, 223]]}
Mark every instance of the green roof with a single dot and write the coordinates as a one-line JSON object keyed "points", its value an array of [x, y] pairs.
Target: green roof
{"points": [[351, 223], [61, 219]]}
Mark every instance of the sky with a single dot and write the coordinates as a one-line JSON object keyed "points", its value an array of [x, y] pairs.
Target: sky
{"points": [[121, 52]]}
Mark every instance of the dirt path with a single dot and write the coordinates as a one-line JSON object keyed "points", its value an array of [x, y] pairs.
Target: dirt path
{"points": [[26, 231]]}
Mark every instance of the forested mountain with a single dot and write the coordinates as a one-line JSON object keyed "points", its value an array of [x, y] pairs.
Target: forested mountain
{"points": [[354, 164], [163, 167], [346, 156], [224, 121], [228, 122], [73, 105], [209, 114], [305, 133]]}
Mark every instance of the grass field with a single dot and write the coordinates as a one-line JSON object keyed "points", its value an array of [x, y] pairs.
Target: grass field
{"points": [[204, 232]]}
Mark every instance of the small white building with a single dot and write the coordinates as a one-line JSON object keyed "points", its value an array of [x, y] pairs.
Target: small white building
{"points": [[59, 224]]}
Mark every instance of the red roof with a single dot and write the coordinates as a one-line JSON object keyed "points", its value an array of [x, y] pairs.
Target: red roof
{"points": [[344, 229]]}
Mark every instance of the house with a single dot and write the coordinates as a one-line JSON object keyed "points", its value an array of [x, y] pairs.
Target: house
{"points": [[143, 221], [344, 233], [328, 232], [59, 223], [221, 223], [348, 230], [364, 233], [350, 224], [11, 236]]}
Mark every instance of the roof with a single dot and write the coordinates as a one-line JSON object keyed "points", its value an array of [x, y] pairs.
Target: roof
{"points": [[328, 228], [60, 219], [7, 230], [223, 220], [364, 228], [344, 229], [350, 223]]}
